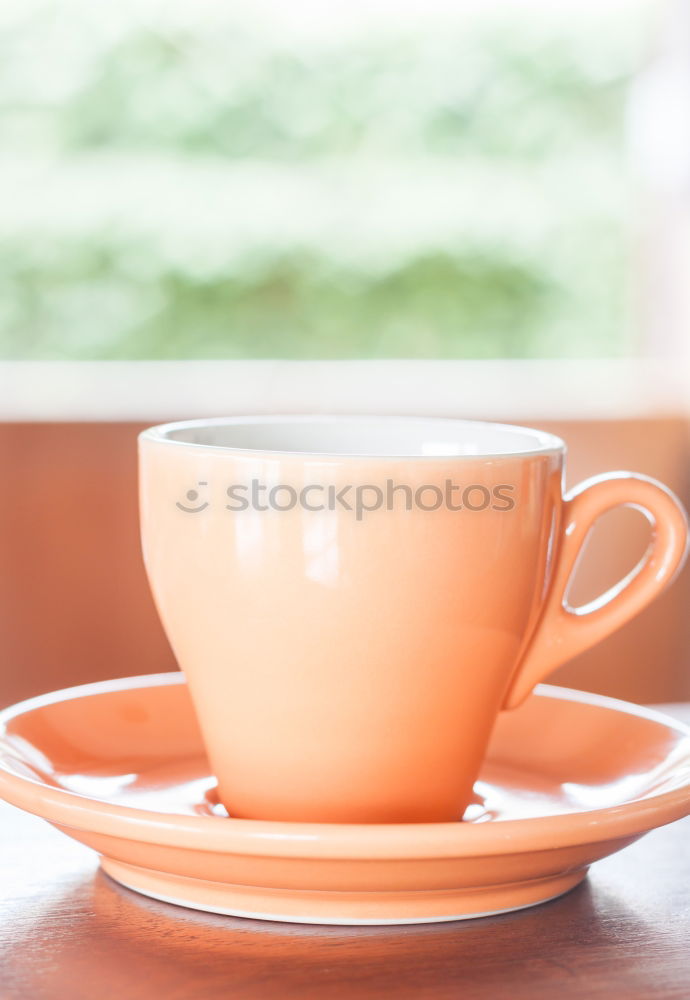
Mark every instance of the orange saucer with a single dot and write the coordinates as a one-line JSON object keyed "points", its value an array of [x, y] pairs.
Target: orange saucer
{"points": [[570, 778]]}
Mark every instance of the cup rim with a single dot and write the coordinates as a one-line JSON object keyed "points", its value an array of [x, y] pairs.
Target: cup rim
{"points": [[545, 442]]}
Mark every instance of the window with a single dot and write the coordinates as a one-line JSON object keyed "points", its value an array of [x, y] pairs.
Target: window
{"points": [[209, 180]]}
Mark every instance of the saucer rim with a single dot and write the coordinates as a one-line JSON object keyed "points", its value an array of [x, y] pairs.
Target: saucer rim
{"points": [[407, 841]]}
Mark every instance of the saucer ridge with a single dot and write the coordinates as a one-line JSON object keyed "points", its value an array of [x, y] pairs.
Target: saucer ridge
{"points": [[120, 766]]}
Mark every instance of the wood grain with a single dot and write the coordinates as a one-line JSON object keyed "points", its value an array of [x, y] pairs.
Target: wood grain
{"points": [[69, 933]]}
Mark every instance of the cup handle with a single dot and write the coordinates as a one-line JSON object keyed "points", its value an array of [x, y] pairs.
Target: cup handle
{"points": [[564, 631]]}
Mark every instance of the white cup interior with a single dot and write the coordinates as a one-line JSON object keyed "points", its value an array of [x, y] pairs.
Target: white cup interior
{"points": [[359, 436]]}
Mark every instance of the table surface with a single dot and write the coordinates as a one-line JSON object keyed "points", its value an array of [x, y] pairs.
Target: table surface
{"points": [[68, 932]]}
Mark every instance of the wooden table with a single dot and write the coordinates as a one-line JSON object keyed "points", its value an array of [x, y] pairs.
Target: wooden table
{"points": [[67, 932]]}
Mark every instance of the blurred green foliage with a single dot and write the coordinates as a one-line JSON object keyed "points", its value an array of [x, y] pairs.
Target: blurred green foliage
{"points": [[217, 184]]}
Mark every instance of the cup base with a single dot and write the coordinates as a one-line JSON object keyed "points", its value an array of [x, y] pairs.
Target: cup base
{"points": [[122, 769], [347, 908]]}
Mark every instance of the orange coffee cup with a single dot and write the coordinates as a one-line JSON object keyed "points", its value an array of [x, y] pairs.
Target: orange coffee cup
{"points": [[354, 599]]}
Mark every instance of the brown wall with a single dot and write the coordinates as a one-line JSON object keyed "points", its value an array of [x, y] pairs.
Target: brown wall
{"points": [[75, 605]]}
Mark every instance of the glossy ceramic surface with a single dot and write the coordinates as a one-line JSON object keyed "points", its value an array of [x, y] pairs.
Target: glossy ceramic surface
{"points": [[348, 651], [569, 778]]}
